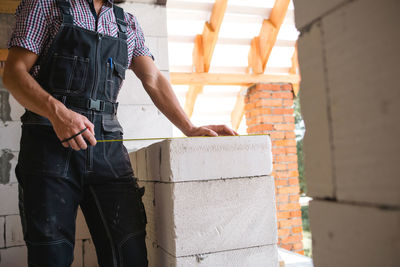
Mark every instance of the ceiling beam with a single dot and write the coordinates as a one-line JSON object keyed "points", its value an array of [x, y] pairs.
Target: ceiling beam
{"points": [[294, 69], [260, 50], [181, 78], [203, 51]]}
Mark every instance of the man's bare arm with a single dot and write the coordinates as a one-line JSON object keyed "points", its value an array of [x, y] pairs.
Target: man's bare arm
{"points": [[32, 96], [163, 96]]}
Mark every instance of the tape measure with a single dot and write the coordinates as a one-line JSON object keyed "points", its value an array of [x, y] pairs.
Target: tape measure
{"points": [[165, 138]]}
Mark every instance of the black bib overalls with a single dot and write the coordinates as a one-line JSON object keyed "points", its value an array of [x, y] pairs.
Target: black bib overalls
{"points": [[83, 69]]}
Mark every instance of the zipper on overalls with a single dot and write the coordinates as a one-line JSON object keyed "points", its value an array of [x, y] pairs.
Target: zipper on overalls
{"points": [[93, 93]]}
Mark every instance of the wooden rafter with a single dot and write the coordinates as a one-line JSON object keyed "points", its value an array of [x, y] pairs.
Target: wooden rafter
{"points": [[294, 69], [245, 79], [260, 50], [203, 51], [8, 6]]}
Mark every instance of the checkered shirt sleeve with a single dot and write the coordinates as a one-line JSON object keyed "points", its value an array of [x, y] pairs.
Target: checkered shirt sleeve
{"points": [[31, 27]]}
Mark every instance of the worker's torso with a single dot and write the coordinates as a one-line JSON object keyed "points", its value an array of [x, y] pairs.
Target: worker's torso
{"points": [[84, 69]]}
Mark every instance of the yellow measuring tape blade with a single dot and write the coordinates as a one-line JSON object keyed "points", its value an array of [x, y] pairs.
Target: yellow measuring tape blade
{"points": [[164, 138]]}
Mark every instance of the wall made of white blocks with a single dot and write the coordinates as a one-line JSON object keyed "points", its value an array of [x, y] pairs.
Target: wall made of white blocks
{"points": [[349, 94]]}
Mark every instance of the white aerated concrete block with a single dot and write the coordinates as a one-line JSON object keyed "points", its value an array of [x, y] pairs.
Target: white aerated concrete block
{"points": [[209, 216], [16, 109], [10, 135], [2, 225], [14, 234], [9, 199], [308, 11], [89, 254], [14, 257], [362, 59], [261, 256], [143, 121], [349, 235], [314, 108], [206, 158], [82, 231], [78, 254], [152, 18], [133, 92]]}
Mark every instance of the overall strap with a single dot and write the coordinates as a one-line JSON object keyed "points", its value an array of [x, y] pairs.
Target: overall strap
{"points": [[65, 7], [120, 18]]}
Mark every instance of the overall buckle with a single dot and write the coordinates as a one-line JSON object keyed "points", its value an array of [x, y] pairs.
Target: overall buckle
{"points": [[97, 105]]}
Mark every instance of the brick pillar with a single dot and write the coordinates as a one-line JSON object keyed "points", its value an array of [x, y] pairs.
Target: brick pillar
{"points": [[269, 109]]}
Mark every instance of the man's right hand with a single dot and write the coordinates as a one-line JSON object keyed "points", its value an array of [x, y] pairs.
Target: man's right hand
{"points": [[31, 95], [67, 123]]}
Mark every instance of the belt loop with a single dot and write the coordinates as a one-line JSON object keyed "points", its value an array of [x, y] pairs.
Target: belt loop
{"points": [[64, 99]]}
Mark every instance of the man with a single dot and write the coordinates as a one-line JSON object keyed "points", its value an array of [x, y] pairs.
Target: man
{"points": [[66, 63]]}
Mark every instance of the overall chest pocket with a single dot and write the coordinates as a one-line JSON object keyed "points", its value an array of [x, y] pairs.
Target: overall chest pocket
{"points": [[115, 74], [68, 74]]}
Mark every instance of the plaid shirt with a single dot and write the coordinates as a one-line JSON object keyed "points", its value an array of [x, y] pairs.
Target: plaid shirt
{"points": [[38, 21]]}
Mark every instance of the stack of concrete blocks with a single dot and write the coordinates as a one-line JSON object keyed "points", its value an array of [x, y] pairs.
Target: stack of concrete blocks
{"points": [[209, 201], [137, 114], [349, 62]]}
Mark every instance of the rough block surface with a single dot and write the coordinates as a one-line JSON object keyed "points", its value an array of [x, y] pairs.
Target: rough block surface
{"points": [[205, 158], [13, 257], [310, 10], [9, 199], [2, 225], [358, 235], [260, 256], [362, 75], [315, 112], [208, 216], [14, 234]]}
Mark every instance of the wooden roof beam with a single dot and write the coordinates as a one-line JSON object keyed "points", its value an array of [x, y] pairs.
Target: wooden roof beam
{"points": [[245, 79], [294, 69], [203, 51], [260, 50]]}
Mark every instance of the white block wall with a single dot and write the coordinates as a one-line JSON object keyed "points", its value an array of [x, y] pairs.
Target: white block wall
{"points": [[348, 57], [137, 114], [209, 201]]}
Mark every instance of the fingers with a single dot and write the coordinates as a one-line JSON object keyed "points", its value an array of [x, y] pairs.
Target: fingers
{"points": [[73, 144], [81, 143], [211, 133], [89, 135]]}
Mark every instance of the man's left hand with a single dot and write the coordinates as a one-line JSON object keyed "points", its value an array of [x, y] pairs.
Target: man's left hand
{"points": [[211, 130]]}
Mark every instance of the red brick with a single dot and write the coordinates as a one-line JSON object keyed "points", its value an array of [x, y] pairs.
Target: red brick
{"points": [[268, 86], [289, 135], [280, 167], [281, 174], [250, 106], [291, 150], [287, 95], [283, 232], [294, 198], [288, 119], [277, 151], [293, 166], [284, 127], [287, 87], [293, 181], [288, 190], [294, 173], [269, 103], [287, 103], [289, 206], [286, 246], [289, 222], [282, 198], [286, 158], [297, 229], [281, 111], [298, 246], [277, 135], [291, 239], [283, 215], [286, 142], [295, 214], [281, 182]]}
